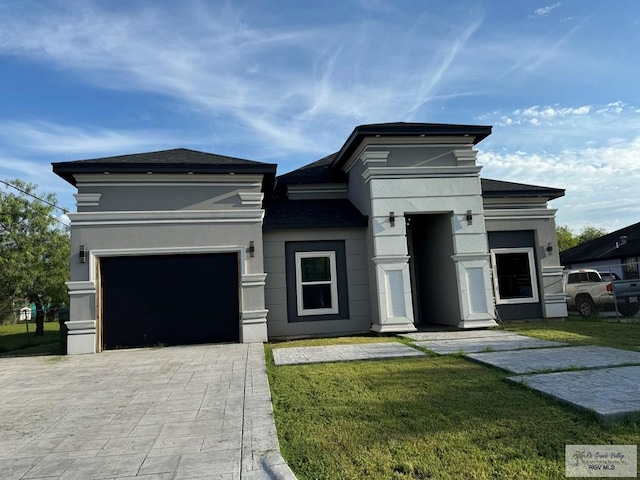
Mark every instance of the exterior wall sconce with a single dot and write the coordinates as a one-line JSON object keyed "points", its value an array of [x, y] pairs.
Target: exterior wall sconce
{"points": [[82, 254], [469, 217], [252, 249], [549, 247], [392, 219]]}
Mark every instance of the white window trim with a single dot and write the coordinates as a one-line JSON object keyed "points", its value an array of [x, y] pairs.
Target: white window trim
{"points": [[333, 282], [532, 274]]}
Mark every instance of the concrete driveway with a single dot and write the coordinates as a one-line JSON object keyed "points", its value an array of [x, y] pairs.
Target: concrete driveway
{"points": [[190, 412]]}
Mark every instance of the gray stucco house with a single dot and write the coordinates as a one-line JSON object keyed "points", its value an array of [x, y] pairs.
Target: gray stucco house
{"points": [[394, 231]]}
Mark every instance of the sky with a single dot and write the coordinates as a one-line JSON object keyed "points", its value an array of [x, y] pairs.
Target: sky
{"points": [[287, 81]]}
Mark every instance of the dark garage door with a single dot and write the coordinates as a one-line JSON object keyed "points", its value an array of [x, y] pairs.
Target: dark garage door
{"points": [[169, 300]]}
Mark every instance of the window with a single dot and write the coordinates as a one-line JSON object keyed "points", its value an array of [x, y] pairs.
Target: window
{"points": [[316, 280], [514, 275], [630, 268], [316, 283], [581, 277]]}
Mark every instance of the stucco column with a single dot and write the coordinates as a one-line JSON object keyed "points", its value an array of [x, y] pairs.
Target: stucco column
{"points": [[393, 280], [81, 335], [473, 271]]}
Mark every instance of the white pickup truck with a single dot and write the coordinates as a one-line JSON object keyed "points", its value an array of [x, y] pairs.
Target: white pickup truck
{"points": [[588, 293]]}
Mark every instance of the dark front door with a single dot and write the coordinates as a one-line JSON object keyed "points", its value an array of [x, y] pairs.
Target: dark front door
{"points": [[169, 300]]}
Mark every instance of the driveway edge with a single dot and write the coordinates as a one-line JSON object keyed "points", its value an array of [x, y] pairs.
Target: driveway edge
{"points": [[261, 458]]}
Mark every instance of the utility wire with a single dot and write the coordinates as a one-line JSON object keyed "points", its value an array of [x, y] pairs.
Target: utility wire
{"points": [[51, 216], [37, 198]]}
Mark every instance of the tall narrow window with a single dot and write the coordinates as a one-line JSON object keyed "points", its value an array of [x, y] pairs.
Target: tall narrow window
{"points": [[514, 275], [316, 283], [630, 268]]}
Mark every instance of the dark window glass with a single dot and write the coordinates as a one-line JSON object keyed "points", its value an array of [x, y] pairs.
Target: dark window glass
{"points": [[316, 296], [593, 277], [514, 276], [574, 278], [316, 269]]}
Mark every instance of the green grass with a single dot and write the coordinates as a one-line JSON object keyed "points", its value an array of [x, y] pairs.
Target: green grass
{"points": [[14, 339], [432, 417], [579, 331]]}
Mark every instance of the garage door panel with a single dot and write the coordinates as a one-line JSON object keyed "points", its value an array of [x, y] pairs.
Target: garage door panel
{"points": [[170, 300]]}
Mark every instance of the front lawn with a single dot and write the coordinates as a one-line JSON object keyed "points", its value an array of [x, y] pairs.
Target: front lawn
{"points": [[431, 417], [14, 339], [579, 331]]}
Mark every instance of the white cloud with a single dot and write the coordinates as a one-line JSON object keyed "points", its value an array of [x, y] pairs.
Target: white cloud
{"points": [[280, 83], [53, 139], [613, 108], [582, 117], [550, 112], [544, 11], [600, 183]]}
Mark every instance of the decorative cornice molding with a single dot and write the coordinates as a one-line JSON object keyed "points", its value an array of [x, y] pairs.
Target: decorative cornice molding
{"points": [[166, 179], [390, 259], [83, 287], [419, 172], [555, 271], [251, 198], [465, 157], [250, 317], [520, 214], [87, 199], [368, 157], [167, 217], [254, 279]]}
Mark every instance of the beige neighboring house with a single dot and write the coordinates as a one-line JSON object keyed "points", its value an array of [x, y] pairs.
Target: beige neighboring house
{"points": [[393, 232]]}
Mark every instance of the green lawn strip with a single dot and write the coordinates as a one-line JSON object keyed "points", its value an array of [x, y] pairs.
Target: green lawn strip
{"points": [[14, 339], [415, 418], [582, 332]]}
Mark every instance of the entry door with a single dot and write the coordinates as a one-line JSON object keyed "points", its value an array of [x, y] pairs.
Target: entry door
{"points": [[169, 300]]}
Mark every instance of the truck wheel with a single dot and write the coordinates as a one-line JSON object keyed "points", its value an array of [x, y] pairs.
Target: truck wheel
{"points": [[628, 310], [586, 307]]}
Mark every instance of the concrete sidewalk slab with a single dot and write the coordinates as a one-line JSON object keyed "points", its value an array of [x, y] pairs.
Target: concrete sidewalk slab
{"points": [[342, 353], [455, 334], [491, 343], [556, 359], [612, 393], [177, 413]]}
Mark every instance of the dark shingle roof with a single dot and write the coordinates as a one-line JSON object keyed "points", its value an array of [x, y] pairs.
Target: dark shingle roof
{"points": [[499, 188], [310, 214], [604, 248], [316, 172], [178, 160]]}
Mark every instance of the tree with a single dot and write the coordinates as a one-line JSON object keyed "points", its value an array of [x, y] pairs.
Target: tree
{"points": [[590, 233], [567, 239], [35, 250]]}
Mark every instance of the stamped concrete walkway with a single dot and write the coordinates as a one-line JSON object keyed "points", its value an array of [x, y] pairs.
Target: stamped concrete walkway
{"points": [[342, 353], [556, 359], [467, 341], [191, 412], [611, 393]]}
